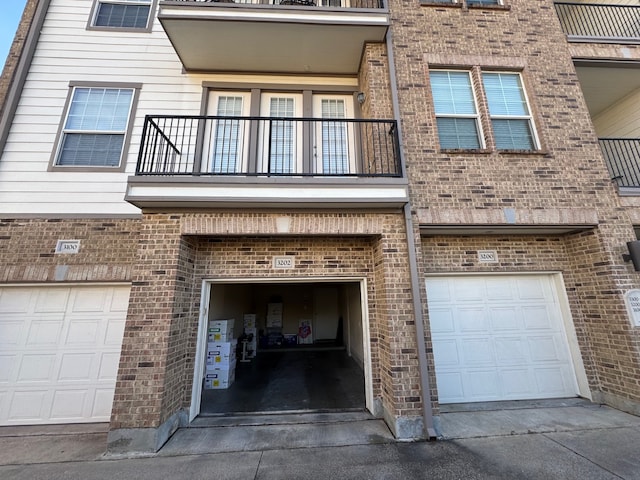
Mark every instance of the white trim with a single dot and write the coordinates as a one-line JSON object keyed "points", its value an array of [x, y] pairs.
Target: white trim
{"points": [[196, 389]]}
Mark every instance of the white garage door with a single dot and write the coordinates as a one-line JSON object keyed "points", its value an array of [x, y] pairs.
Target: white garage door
{"points": [[498, 338], [59, 353]]}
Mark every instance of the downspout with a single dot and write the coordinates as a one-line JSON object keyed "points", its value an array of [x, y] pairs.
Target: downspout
{"points": [[427, 411], [22, 69]]}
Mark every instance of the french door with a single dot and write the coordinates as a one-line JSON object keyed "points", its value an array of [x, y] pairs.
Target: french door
{"points": [[227, 140], [334, 139], [281, 140]]}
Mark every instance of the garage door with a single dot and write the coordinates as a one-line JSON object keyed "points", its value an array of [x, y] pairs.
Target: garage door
{"points": [[498, 338], [59, 353]]}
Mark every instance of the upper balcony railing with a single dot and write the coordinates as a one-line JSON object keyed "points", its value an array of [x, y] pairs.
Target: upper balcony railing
{"points": [[295, 3], [623, 160], [266, 147], [602, 22]]}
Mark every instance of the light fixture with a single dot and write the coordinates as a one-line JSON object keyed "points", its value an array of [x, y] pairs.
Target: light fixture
{"points": [[634, 254], [362, 97]]}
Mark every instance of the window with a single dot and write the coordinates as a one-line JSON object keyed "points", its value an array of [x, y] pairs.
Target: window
{"points": [[122, 14], [483, 2], [458, 115], [95, 127], [510, 118], [229, 136], [456, 112]]}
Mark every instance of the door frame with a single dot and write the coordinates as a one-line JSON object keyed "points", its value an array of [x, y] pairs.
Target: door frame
{"points": [[201, 341], [560, 292]]}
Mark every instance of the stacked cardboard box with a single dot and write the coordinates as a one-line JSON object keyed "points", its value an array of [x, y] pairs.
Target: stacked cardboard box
{"points": [[221, 355]]}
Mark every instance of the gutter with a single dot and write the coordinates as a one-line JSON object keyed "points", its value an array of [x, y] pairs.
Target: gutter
{"points": [[427, 410], [22, 69]]}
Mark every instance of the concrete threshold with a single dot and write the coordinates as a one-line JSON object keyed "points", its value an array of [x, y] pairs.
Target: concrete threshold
{"points": [[492, 419], [248, 433]]}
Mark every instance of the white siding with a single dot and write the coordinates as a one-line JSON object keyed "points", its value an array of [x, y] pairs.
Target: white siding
{"points": [[621, 120], [66, 52]]}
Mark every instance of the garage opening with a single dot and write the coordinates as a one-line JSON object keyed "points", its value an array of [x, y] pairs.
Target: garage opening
{"points": [[282, 347]]}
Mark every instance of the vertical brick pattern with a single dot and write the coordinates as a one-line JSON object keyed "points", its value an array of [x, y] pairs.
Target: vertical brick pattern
{"points": [[158, 356], [11, 62]]}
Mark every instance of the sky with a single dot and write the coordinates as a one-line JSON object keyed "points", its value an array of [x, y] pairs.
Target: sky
{"points": [[10, 13]]}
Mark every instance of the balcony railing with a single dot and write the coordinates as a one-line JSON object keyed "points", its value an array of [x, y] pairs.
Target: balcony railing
{"points": [[614, 22], [295, 3], [265, 146], [623, 160]]}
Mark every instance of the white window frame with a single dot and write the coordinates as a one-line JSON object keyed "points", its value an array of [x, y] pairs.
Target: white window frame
{"points": [[475, 117], [264, 144], [96, 9], [126, 132], [349, 130], [528, 117]]}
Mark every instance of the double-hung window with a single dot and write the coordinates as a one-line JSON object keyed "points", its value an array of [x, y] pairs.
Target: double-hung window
{"points": [[456, 110], [95, 127], [509, 112], [122, 14]]}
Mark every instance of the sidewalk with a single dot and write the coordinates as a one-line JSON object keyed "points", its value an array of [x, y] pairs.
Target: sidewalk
{"points": [[571, 441]]}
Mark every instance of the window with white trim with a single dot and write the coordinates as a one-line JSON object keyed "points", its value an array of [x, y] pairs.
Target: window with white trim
{"points": [[456, 110], [509, 112], [506, 110], [122, 13], [95, 127]]}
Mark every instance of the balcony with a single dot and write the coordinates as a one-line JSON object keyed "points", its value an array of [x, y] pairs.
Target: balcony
{"points": [[623, 161], [600, 23], [273, 36], [217, 161]]}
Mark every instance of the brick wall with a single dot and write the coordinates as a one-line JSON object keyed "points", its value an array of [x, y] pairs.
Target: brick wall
{"points": [[178, 251], [27, 250], [15, 51]]}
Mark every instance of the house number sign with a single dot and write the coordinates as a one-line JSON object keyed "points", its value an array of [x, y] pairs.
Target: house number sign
{"points": [[68, 246], [283, 262], [632, 299], [487, 256]]}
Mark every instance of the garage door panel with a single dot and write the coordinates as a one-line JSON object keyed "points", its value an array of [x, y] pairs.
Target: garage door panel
{"points": [[36, 368], [60, 366], [511, 351], [439, 291], [450, 386], [499, 289], [114, 331], [447, 352], [52, 301], [504, 319], [482, 384], [472, 319], [11, 332], [476, 351], [90, 300], [7, 367], [82, 332], [538, 317], [508, 343], [533, 288], [102, 403], [16, 301], [76, 367], [45, 332]]}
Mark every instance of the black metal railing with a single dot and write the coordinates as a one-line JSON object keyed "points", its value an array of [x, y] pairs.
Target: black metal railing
{"points": [[265, 146], [623, 160], [599, 21], [298, 3]]}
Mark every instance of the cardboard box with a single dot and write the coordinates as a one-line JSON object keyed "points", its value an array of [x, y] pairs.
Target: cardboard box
{"points": [[221, 353], [249, 320], [251, 331], [218, 378], [290, 339], [220, 330]]}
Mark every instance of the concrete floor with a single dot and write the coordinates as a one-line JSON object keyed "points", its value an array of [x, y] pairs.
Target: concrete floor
{"points": [[291, 380]]}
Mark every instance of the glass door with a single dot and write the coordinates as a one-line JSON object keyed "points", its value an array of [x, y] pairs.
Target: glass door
{"points": [[334, 144], [281, 136]]}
